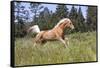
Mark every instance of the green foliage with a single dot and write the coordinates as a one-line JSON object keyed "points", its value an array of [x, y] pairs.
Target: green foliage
{"points": [[92, 18], [73, 16], [61, 11], [82, 48], [77, 19], [73, 13], [47, 19], [80, 21], [20, 30], [35, 8]]}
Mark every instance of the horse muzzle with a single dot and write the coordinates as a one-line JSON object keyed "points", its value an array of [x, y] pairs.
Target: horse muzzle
{"points": [[72, 27]]}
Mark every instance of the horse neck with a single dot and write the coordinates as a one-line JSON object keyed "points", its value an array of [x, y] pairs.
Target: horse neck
{"points": [[62, 26], [59, 27]]}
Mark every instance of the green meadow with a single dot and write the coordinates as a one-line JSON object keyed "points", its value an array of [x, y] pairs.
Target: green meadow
{"points": [[82, 48]]}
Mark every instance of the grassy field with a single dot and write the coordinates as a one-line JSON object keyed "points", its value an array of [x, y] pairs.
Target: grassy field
{"points": [[82, 48]]}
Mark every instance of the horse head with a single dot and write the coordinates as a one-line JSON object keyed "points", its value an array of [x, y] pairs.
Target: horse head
{"points": [[69, 23]]}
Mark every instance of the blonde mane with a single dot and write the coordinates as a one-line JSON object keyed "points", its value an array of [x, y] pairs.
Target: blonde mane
{"points": [[62, 21]]}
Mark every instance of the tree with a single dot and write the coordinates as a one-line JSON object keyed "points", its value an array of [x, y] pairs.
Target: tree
{"points": [[18, 20], [80, 21], [73, 16], [35, 8], [92, 17], [21, 13], [73, 13], [44, 19], [22, 17], [61, 11]]}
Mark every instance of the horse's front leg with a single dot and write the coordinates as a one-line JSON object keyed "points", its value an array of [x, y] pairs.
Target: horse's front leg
{"points": [[67, 41], [63, 41]]}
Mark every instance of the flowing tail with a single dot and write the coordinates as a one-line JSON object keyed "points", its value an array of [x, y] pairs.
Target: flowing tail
{"points": [[34, 29]]}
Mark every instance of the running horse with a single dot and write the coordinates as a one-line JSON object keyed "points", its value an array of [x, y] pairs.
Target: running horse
{"points": [[56, 33]]}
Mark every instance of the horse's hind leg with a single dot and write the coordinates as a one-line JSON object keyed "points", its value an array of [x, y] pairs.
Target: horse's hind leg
{"points": [[37, 42]]}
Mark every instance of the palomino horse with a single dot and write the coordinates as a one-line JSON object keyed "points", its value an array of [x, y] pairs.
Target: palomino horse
{"points": [[57, 33]]}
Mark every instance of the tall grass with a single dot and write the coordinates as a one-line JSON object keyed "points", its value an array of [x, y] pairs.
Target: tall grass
{"points": [[82, 48]]}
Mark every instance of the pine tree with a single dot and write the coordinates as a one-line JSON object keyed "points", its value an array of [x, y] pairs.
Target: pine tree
{"points": [[61, 11], [44, 19], [92, 17], [35, 8], [73, 13], [73, 16], [80, 21], [20, 19]]}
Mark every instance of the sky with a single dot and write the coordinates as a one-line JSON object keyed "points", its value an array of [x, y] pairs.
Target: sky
{"points": [[52, 7]]}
